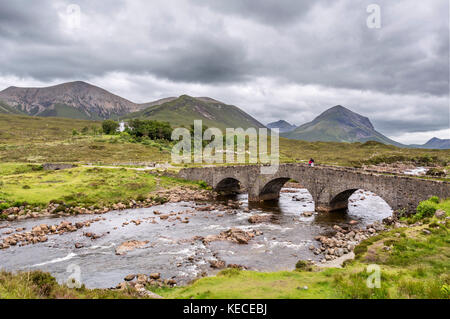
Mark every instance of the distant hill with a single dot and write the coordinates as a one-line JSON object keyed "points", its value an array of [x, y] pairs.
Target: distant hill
{"points": [[339, 124], [434, 143], [78, 100], [182, 111], [282, 125]]}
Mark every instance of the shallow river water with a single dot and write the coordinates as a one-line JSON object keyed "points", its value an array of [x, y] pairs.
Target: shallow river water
{"points": [[284, 240]]}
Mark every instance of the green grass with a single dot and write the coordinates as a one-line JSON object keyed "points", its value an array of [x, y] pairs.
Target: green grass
{"points": [[416, 266], [239, 284], [40, 285], [78, 186], [37, 140]]}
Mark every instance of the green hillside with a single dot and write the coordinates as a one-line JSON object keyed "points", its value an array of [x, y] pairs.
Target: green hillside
{"points": [[185, 109], [339, 124]]}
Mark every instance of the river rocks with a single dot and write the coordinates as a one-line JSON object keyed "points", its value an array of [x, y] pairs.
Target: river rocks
{"points": [[234, 234], [206, 208], [217, 264], [92, 236], [129, 246], [138, 282], [389, 220], [440, 214], [307, 214], [232, 204], [155, 275], [119, 206], [40, 233], [170, 282], [261, 218], [142, 279], [344, 240], [178, 194]]}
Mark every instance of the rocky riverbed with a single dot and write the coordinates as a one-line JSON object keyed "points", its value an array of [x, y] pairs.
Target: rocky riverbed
{"points": [[190, 236]]}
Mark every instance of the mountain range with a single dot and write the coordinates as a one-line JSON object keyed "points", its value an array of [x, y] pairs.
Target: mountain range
{"points": [[282, 126], [81, 100], [434, 143]]}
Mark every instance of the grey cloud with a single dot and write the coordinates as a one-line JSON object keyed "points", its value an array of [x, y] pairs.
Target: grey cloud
{"points": [[346, 54], [264, 11], [219, 44]]}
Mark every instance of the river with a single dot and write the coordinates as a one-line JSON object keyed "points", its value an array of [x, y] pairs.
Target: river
{"points": [[170, 251]]}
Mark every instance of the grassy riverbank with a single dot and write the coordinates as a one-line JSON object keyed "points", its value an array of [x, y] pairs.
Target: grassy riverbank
{"points": [[40, 285], [416, 264], [37, 140], [81, 186]]}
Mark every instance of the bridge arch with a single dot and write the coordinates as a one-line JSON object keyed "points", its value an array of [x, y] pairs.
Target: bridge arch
{"points": [[271, 190], [340, 200], [228, 185]]}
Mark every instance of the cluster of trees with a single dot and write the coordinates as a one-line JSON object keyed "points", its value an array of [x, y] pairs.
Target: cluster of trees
{"points": [[149, 128], [141, 129]]}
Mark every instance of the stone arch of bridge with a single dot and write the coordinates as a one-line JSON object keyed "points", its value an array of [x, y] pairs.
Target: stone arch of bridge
{"points": [[340, 199], [272, 188], [229, 185]]}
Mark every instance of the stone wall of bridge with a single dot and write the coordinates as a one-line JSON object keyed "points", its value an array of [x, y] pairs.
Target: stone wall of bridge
{"points": [[330, 187]]}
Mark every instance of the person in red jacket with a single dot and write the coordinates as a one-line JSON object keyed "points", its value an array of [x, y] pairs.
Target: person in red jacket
{"points": [[311, 162]]}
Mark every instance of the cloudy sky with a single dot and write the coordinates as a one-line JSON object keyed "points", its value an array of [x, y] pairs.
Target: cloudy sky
{"points": [[276, 59]]}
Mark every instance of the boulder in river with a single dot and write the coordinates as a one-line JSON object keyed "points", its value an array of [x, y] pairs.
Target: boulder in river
{"points": [[129, 246], [261, 218], [236, 235]]}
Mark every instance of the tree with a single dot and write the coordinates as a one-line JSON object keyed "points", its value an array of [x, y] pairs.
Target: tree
{"points": [[110, 126]]}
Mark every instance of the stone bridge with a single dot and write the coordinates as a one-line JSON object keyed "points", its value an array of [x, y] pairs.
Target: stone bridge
{"points": [[329, 186]]}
